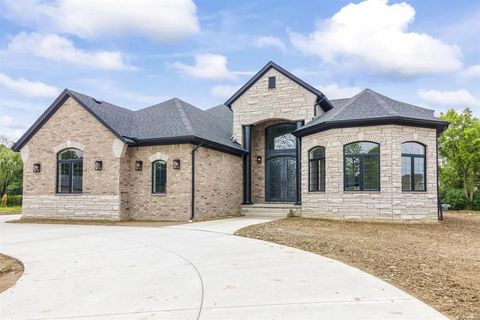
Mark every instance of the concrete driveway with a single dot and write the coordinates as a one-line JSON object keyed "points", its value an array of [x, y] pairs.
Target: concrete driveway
{"points": [[194, 271]]}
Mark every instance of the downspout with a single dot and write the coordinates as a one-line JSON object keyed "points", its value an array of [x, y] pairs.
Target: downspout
{"points": [[439, 201], [192, 212]]}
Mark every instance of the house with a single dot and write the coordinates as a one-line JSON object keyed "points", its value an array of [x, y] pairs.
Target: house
{"points": [[277, 143]]}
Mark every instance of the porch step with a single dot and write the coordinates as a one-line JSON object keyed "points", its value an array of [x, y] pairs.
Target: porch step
{"points": [[280, 210]]}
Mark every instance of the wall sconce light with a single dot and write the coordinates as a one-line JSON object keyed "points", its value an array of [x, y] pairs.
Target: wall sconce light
{"points": [[37, 167], [138, 165], [176, 164], [98, 165], [259, 159]]}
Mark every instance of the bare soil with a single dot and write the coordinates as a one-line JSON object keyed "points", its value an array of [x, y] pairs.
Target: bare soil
{"points": [[11, 270], [438, 263]]}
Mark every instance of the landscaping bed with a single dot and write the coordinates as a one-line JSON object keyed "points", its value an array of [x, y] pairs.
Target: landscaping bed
{"points": [[438, 263], [10, 270]]}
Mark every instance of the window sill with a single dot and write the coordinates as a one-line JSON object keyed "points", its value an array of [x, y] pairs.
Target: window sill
{"points": [[362, 191], [159, 194], [414, 191], [68, 194], [319, 191]]}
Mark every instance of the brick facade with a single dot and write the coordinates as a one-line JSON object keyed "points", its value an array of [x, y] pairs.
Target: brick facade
{"points": [[72, 126], [118, 191], [388, 204]]}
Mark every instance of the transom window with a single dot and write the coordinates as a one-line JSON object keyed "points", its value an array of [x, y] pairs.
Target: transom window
{"points": [[279, 137], [362, 166], [159, 176], [413, 167], [69, 171], [316, 167]]}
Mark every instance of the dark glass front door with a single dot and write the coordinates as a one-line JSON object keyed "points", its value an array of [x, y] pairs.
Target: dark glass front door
{"points": [[281, 179], [281, 163]]}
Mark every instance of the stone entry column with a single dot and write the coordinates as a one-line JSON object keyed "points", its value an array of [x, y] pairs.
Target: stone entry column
{"points": [[300, 123], [247, 164]]}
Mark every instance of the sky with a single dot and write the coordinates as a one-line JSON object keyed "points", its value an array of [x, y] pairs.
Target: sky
{"points": [[138, 53]]}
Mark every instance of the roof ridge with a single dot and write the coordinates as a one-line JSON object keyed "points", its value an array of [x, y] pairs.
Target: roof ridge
{"points": [[381, 102], [183, 115]]}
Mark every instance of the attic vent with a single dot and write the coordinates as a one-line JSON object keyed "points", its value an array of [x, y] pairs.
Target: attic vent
{"points": [[271, 83], [97, 101]]}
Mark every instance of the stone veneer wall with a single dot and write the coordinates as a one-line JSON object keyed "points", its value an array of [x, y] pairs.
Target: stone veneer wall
{"points": [[218, 184], [142, 204], [288, 101], [72, 126], [391, 203]]}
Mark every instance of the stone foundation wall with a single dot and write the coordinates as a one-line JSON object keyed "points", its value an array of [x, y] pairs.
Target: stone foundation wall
{"points": [[388, 204], [88, 207]]}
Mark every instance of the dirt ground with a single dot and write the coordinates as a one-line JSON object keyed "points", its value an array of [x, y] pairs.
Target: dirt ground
{"points": [[437, 263], [10, 270]]}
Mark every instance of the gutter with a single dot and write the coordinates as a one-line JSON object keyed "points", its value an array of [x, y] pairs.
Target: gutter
{"points": [[439, 200], [192, 211]]}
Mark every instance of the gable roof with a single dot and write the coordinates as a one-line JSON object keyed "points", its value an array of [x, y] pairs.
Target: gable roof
{"points": [[171, 121], [321, 100], [369, 108]]}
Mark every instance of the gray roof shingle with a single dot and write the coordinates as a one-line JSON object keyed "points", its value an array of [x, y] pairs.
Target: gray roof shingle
{"points": [[173, 118], [369, 105]]}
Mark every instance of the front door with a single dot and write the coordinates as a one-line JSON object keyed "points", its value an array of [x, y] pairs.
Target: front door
{"points": [[281, 163]]}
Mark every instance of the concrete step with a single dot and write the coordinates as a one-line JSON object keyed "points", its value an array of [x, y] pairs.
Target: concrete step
{"points": [[278, 210]]}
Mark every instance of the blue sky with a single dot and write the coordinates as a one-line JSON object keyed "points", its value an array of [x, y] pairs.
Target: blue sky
{"points": [[138, 53]]}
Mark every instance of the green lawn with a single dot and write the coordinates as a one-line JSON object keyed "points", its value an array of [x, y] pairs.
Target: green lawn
{"points": [[10, 210]]}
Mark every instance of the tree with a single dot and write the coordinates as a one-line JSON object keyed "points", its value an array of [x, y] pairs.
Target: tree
{"points": [[459, 145], [10, 168]]}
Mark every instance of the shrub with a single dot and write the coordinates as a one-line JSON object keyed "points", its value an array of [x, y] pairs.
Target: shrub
{"points": [[455, 198], [476, 201], [14, 201]]}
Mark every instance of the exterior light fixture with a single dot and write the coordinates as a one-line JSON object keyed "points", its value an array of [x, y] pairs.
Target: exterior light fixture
{"points": [[138, 165], [98, 165], [37, 167], [259, 159], [176, 164]]}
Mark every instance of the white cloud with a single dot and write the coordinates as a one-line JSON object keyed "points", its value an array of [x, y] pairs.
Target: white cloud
{"points": [[472, 71], [375, 33], [160, 20], [6, 121], [54, 47], [27, 87], [207, 66], [224, 91], [334, 91], [454, 98], [269, 41]]}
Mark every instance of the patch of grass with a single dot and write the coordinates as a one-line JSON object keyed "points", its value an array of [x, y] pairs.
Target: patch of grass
{"points": [[10, 210], [436, 262]]}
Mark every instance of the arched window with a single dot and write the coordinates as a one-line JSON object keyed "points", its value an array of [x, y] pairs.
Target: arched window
{"points": [[413, 167], [361, 166], [280, 137], [159, 176], [316, 169], [69, 171]]}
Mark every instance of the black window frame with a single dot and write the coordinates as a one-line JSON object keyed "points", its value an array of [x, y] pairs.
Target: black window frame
{"points": [[153, 174], [71, 162], [272, 82], [361, 157], [319, 174], [412, 157]]}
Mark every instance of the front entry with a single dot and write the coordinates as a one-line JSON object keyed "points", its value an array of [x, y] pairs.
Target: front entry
{"points": [[281, 163]]}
